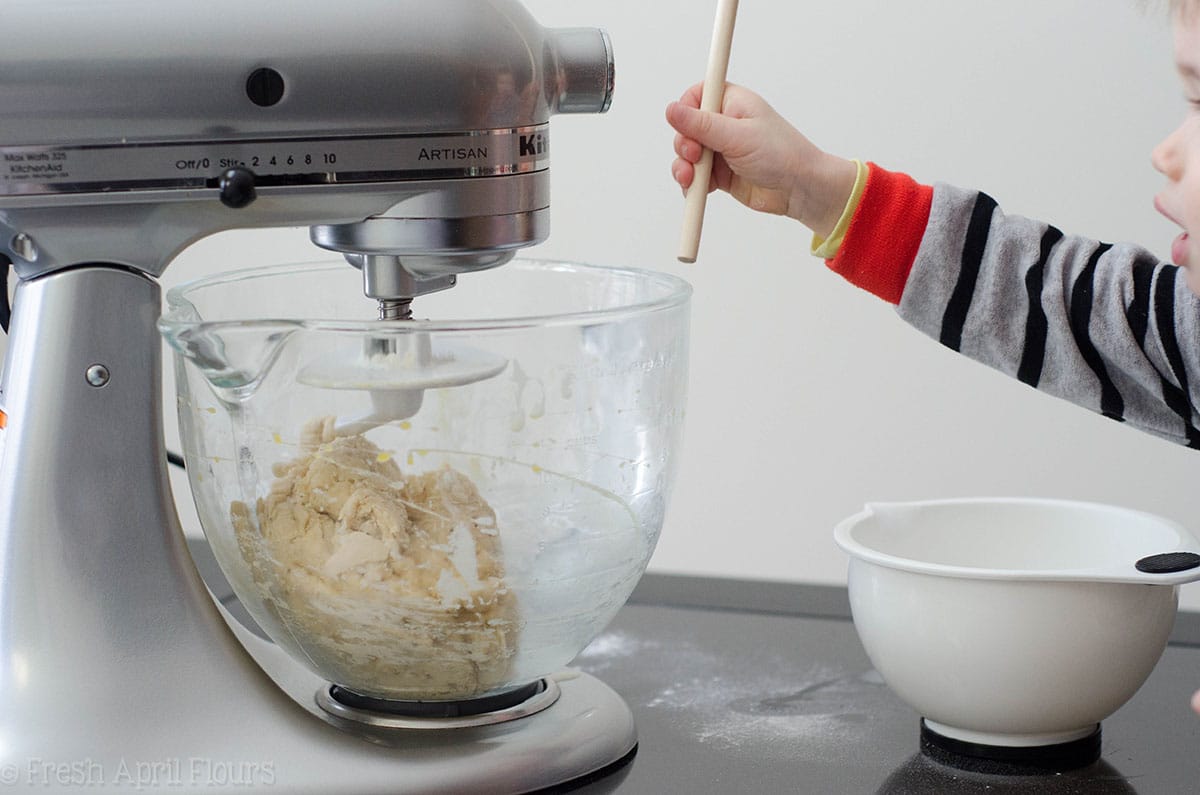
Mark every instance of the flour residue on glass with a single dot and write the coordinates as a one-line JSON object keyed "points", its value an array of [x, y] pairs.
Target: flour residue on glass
{"points": [[529, 398]]}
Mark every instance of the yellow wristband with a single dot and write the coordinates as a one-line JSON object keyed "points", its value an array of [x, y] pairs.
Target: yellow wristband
{"points": [[827, 248]]}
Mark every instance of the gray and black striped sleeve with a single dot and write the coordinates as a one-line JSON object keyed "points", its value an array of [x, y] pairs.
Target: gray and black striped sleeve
{"points": [[1108, 327]]}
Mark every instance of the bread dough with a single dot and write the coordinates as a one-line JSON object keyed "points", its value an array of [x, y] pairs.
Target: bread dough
{"points": [[390, 584]]}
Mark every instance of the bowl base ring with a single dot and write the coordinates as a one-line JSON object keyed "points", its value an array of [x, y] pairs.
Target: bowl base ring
{"points": [[517, 703], [1010, 759]]}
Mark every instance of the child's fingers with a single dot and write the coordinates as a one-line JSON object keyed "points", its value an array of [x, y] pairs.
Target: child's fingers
{"points": [[688, 149], [1196, 701], [683, 172], [713, 130], [677, 115], [693, 95]]}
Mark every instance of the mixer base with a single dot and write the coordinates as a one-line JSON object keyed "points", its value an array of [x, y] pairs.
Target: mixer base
{"points": [[1010, 759]]}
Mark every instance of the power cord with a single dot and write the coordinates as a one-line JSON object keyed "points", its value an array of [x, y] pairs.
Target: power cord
{"points": [[5, 307]]}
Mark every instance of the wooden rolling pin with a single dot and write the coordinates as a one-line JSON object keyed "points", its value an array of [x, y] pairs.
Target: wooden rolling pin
{"points": [[710, 100]]}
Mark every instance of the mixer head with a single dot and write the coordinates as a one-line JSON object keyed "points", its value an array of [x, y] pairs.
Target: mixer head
{"points": [[411, 136]]}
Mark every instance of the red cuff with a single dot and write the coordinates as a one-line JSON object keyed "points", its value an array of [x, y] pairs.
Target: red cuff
{"points": [[885, 232]]}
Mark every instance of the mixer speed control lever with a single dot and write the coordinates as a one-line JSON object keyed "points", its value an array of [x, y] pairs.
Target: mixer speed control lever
{"points": [[237, 188]]}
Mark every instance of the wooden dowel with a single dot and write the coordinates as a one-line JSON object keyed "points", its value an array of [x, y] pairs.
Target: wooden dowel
{"points": [[710, 100]]}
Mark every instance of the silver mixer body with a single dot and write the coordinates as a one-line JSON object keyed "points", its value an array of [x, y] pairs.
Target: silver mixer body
{"points": [[411, 137], [390, 128]]}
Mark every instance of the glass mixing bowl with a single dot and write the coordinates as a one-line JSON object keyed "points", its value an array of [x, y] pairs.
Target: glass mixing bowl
{"points": [[474, 546]]}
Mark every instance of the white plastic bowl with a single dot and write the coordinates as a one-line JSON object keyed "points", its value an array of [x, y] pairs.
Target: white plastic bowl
{"points": [[1012, 622]]}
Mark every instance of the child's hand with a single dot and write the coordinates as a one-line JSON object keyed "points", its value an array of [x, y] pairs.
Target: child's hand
{"points": [[760, 159]]}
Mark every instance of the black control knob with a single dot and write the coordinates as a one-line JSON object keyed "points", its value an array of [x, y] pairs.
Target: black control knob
{"points": [[237, 188]]}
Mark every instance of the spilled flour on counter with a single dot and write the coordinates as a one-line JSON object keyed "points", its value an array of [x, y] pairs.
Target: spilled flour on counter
{"points": [[814, 716], [757, 704], [390, 583]]}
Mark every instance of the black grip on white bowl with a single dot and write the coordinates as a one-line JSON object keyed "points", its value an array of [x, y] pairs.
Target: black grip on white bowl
{"points": [[1168, 562]]}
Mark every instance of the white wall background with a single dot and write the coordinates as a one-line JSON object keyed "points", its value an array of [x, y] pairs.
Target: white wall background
{"points": [[809, 397]]}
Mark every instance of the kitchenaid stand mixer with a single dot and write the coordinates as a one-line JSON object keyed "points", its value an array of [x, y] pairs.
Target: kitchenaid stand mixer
{"points": [[411, 137]]}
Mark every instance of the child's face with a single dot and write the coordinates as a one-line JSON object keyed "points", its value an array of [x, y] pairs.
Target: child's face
{"points": [[1178, 156]]}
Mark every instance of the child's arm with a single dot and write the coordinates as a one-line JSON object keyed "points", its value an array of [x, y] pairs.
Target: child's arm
{"points": [[1107, 327]]}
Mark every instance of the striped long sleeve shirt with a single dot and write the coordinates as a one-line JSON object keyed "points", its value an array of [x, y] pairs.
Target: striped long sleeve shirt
{"points": [[1106, 326]]}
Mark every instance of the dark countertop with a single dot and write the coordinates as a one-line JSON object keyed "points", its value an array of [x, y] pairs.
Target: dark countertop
{"points": [[761, 687]]}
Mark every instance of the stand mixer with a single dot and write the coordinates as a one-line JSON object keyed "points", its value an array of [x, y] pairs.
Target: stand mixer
{"points": [[412, 138]]}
